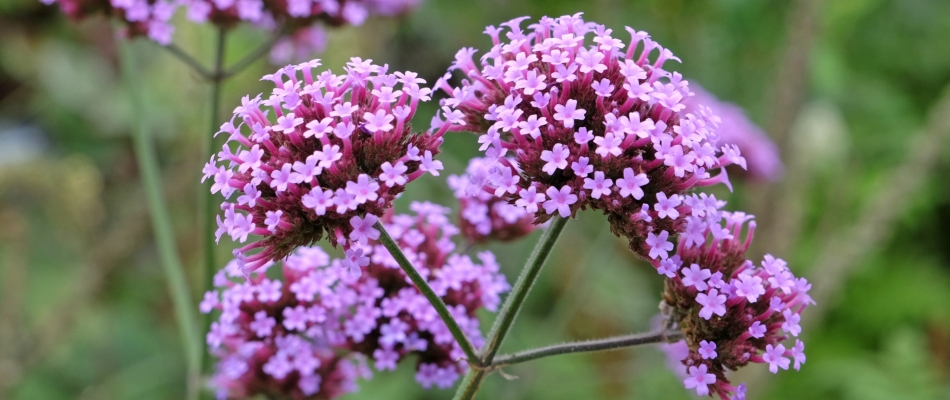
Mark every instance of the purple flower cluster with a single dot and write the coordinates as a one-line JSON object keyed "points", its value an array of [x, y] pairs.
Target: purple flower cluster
{"points": [[482, 215], [143, 17], [309, 334], [731, 311], [151, 17], [735, 128], [294, 13], [326, 154], [600, 126]]}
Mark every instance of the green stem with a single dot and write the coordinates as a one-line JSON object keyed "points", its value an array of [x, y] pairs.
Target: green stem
{"points": [[249, 59], [188, 60], [509, 311], [162, 226], [427, 291], [612, 343], [208, 209]]}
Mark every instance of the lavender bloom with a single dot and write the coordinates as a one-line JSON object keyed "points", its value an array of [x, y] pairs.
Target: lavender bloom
{"points": [[312, 334], [299, 46], [588, 125], [483, 216], [149, 18], [315, 158], [294, 14], [735, 128], [731, 311]]}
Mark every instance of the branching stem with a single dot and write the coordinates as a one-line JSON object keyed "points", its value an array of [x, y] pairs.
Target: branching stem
{"points": [[612, 343], [511, 307]]}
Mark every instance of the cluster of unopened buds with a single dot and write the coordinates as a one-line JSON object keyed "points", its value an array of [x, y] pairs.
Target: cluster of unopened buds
{"points": [[311, 333]]}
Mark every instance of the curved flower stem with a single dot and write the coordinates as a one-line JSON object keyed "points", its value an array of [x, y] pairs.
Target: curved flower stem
{"points": [[611, 343], [189, 60], [162, 227], [250, 58], [509, 311], [427, 291], [208, 210]]}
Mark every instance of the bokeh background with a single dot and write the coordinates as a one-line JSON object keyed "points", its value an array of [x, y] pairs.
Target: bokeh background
{"points": [[855, 92]]}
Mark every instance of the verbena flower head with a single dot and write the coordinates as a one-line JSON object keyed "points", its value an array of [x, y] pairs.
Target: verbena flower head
{"points": [[484, 216], [142, 17], [324, 154], [735, 128], [731, 311], [590, 122], [306, 335], [291, 14]]}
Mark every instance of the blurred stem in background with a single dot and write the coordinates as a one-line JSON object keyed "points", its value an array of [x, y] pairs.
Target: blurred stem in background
{"points": [[207, 211], [509, 310], [161, 224]]}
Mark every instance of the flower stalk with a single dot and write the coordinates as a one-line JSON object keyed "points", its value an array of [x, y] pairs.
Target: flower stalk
{"points": [[587, 346], [430, 294], [207, 202], [511, 307], [162, 227]]}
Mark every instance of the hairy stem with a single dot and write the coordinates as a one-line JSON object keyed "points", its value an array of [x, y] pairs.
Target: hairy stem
{"points": [[427, 291], [611, 343], [207, 201], [162, 227], [511, 307]]}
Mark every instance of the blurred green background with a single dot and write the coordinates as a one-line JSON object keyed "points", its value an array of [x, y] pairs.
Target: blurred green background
{"points": [[853, 90]]}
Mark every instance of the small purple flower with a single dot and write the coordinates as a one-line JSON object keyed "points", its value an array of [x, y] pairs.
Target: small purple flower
{"points": [[659, 245], [696, 277], [560, 201], [699, 379], [774, 355], [599, 186], [707, 349], [712, 302]]}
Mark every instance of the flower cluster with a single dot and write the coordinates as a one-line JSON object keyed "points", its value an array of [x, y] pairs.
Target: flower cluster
{"points": [[294, 13], [482, 215], [152, 17], [731, 311], [327, 154], [600, 126], [143, 17], [308, 334], [735, 128], [299, 46]]}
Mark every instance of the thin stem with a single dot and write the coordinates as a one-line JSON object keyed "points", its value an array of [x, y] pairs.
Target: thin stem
{"points": [[427, 291], [208, 210], [250, 58], [162, 227], [511, 307], [509, 311], [189, 60], [612, 343]]}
